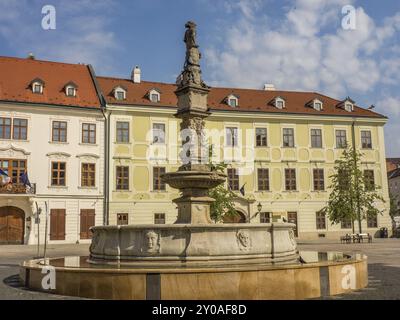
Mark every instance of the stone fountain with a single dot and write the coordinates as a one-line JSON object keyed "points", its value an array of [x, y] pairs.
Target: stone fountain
{"points": [[194, 238], [196, 258]]}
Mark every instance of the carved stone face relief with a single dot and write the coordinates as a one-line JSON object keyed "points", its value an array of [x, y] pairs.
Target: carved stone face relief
{"points": [[152, 242], [243, 239]]}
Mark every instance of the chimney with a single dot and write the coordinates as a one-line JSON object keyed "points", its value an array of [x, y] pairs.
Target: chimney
{"points": [[136, 73], [269, 87], [31, 56]]}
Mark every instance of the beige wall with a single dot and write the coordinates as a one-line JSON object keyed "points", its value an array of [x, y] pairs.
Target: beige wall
{"points": [[141, 202]]}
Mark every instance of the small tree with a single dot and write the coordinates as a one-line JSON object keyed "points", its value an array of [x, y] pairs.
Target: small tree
{"points": [[224, 198], [352, 197]]}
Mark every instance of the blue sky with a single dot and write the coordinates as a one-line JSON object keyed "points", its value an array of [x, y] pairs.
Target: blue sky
{"points": [[295, 44]]}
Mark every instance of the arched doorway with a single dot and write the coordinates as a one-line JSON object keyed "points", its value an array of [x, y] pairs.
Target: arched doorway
{"points": [[12, 225], [239, 217]]}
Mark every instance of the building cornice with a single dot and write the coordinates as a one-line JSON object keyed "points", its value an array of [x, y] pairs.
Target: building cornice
{"points": [[249, 114]]}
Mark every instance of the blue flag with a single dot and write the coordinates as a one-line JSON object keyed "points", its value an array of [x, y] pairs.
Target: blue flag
{"points": [[24, 179], [2, 173]]}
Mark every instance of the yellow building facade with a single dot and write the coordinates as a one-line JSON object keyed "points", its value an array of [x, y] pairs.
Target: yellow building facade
{"points": [[282, 156]]}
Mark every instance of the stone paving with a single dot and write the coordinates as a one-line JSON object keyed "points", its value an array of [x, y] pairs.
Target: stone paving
{"points": [[383, 265]]}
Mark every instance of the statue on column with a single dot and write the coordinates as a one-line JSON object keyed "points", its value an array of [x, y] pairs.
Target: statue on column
{"points": [[191, 74]]}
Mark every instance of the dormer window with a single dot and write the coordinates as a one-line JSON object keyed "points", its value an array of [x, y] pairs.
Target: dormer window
{"points": [[37, 86], [347, 104], [70, 89], [154, 95], [348, 107], [232, 101], [278, 102], [316, 104], [120, 93]]}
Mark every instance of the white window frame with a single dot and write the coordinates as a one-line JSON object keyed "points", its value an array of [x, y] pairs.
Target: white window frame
{"points": [[67, 88], [118, 90], [230, 98], [40, 87], [154, 92]]}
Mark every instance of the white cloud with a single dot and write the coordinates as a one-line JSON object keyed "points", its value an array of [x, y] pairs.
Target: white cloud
{"points": [[301, 54], [81, 36]]}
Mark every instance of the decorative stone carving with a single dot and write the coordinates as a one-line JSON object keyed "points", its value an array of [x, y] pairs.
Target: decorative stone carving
{"points": [[152, 242], [243, 240], [292, 238]]}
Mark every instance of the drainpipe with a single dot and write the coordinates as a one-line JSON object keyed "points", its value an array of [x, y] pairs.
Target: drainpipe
{"points": [[353, 137], [103, 108], [107, 120]]}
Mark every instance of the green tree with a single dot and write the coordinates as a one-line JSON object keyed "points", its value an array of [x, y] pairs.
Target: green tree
{"points": [[393, 206], [224, 198], [352, 197]]}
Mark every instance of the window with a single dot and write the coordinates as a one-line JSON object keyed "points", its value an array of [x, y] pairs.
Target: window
{"points": [[321, 220], [280, 104], [71, 91], [265, 217], [288, 137], [319, 182], [5, 128], [37, 88], [316, 138], [159, 218], [89, 133], [88, 175], [372, 220], [233, 102], [341, 140], [159, 133], [366, 141], [346, 224], [58, 170], [263, 179], [158, 184], [13, 168], [155, 97], [233, 179], [122, 132], [232, 137], [343, 179], [59, 131], [318, 105], [122, 182], [119, 93], [290, 179], [20, 129], [348, 107], [369, 180], [261, 137], [122, 219]]}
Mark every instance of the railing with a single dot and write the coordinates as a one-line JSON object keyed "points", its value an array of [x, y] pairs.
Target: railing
{"points": [[18, 188]]}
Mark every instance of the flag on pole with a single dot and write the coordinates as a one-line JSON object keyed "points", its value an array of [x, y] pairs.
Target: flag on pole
{"points": [[4, 178], [242, 190], [25, 180]]}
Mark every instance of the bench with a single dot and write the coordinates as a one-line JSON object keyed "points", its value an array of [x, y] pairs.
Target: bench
{"points": [[348, 238]]}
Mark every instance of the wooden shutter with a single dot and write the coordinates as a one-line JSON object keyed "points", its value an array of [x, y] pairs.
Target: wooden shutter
{"points": [[57, 224], [87, 221]]}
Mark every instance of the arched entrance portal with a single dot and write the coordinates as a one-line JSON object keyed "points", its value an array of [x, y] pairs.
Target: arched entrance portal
{"points": [[239, 217], [12, 225]]}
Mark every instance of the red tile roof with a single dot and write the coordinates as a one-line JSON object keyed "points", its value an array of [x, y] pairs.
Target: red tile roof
{"points": [[16, 74], [249, 99]]}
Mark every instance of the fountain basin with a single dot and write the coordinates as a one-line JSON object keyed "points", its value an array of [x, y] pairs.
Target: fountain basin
{"points": [[220, 244], [320, 274]]}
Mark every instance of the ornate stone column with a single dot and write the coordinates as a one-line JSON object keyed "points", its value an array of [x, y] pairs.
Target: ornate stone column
{"points": [[194, 178]]}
